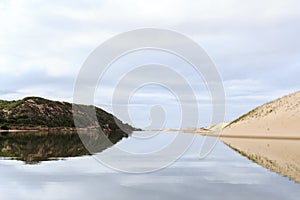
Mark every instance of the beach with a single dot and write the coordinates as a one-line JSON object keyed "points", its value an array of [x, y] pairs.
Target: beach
{"points": [[268, 135]]}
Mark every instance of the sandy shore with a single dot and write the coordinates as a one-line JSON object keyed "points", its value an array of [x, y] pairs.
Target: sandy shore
{"points": [[269, 135]]}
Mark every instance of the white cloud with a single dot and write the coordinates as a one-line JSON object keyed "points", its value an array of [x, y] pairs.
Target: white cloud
{"points": [[253, 43]]}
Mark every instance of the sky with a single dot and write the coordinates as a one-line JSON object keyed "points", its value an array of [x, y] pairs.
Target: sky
{"points": [[254, 45]]}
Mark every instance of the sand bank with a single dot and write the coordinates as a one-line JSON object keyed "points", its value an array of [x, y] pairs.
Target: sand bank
{"points": [[269, 135]]}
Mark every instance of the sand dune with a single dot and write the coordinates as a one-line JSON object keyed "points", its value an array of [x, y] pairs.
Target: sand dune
{"points": [[280, 117], [217, 127], [270, 135]]}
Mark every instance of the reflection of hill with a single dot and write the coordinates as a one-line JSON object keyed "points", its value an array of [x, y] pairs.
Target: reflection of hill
{"points": [[33, 147]]}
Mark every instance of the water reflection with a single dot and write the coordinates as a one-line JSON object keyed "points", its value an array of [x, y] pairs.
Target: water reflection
{"points": [[224, 174], [33, 147]]}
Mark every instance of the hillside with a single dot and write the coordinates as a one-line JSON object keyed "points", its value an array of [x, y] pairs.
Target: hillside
{"points": [[42, 113], [280, 117]]}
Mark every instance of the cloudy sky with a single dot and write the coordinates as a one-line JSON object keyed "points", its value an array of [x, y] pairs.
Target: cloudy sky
{"points": [[254, 45]]}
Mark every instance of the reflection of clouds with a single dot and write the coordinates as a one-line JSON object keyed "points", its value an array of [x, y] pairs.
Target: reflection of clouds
{"points": [[224, 174]]}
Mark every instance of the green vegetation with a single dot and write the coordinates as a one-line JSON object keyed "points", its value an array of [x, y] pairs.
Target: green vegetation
{"points": [[36, 111], [58, 141]]}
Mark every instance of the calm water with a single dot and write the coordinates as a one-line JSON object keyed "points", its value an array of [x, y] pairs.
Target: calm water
{"points": [[224, 174]]}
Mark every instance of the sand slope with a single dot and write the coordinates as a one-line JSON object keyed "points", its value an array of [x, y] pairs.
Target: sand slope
{"points": [[270, 135], [217, 127], [280, 117]]}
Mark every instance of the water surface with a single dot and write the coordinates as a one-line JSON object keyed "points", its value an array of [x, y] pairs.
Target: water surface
{"points": [[224, 174]]}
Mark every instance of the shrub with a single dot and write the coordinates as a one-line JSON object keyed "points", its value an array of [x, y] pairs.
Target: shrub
{"points": [[4, 127]]}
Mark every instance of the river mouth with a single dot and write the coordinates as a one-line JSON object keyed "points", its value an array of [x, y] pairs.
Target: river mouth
{"points": [[223, 174]]}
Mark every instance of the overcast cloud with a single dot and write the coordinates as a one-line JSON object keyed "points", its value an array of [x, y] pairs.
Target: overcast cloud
{"points": [[254, 44]]}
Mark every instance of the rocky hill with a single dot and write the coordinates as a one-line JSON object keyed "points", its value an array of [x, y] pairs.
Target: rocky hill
{"points": [[40, 113]]}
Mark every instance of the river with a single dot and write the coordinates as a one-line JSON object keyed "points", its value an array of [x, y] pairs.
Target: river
{"points": [[223, 174]]}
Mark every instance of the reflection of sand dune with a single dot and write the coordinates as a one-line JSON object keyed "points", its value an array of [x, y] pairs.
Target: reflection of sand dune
{"points": [[281, 156], [270, 135]]}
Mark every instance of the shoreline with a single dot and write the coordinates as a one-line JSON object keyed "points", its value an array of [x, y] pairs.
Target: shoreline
{"points": [[279, 154], [261, 137]]}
